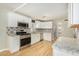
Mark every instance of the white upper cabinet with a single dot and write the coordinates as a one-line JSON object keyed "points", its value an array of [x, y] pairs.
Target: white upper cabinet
{"points": [[73, 13], [46, 25], [20, 18], [43, 25], [14, 18]]}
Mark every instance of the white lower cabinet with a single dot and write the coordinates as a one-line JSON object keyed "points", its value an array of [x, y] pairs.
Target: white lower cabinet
{"points": [[47, 36], [14, 44], [35, 37]]}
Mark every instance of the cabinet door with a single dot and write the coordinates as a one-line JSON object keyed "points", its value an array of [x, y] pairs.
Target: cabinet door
{"points": [[47, 36], [12, 20], [28, 20], [20, 18], [14, 44], [46, 25], [35, 38]]}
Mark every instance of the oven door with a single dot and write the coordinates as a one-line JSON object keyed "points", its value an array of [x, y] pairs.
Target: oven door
{"points": [[25, 41]]}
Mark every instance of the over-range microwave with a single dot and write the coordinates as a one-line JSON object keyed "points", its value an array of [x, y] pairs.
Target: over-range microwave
{"points": [[22, 24]]}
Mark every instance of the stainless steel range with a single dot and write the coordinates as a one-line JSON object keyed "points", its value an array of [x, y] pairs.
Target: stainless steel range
{"points": [[25, 36], [25, 41]]}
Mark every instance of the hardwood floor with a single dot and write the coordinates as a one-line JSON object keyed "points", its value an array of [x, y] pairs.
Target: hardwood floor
{"points": [[42, 48]]}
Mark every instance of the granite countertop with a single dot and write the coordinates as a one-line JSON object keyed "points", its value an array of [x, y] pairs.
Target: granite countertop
{"points": [[42, 31]]}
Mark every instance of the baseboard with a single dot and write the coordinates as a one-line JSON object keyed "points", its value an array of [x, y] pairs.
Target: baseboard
{"points": [[3, 50]]}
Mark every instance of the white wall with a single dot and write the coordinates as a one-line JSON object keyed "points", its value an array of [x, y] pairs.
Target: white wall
{"points": [[3, 24]]}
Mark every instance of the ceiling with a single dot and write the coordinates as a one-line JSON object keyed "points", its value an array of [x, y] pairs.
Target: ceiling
{"points": [[40, 10], [9, 6]]}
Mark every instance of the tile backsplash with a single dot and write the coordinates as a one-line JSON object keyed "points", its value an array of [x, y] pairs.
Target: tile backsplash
{"points": [[12, 30]]}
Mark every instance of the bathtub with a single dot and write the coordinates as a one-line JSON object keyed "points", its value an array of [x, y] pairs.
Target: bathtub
{"points": [[65, 46]]}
